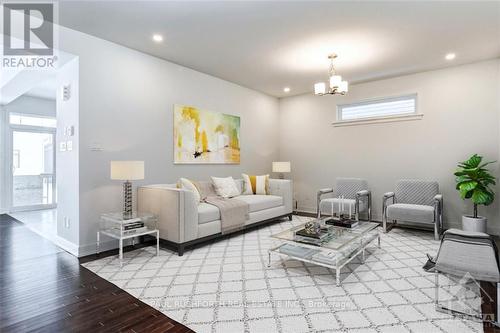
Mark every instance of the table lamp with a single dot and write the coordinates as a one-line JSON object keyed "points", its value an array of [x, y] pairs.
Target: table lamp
{"points": [[127, 171], [281, 167]]}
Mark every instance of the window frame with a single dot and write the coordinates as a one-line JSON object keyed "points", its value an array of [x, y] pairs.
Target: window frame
{"points": [[33, 116], [416, 115]]}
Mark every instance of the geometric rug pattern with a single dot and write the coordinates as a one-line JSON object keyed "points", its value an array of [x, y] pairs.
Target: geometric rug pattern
{"points": [[226, 286]]}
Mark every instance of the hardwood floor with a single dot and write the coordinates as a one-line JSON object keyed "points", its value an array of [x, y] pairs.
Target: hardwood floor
{"points": [[44, 289]]}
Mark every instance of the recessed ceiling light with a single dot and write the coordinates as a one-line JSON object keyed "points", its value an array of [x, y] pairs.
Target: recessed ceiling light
{"points": [[450, 56], [157, 38], [286, 89]]}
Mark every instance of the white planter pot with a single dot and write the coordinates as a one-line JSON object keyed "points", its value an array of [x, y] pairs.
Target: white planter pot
{"points": [[470, 223]]}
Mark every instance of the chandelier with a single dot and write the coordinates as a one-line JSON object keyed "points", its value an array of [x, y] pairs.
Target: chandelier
{"points": [[336, 85]]}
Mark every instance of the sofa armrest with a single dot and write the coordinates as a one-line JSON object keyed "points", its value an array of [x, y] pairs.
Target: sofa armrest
{"points": [[177, 211], [284, 189]]}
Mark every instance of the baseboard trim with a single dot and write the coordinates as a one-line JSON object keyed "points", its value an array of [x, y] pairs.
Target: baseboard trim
{"points": [[90, 249], [66, 245]]}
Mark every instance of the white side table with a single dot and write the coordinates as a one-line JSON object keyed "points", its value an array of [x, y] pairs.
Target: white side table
{"points": [[118, 226]]}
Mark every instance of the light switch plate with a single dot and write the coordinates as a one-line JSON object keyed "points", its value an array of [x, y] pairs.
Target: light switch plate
{"points": [[69, 145]]}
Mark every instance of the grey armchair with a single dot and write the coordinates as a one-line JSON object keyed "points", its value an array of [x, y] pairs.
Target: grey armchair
{"points": [[356, 195], [415, 201], [467, 256]]}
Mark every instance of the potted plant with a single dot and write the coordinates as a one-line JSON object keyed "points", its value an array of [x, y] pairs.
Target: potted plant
{"points": [[473, 182]]}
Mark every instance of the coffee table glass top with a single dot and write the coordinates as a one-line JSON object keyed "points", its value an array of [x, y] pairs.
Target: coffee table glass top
{"points": [[338, 236]]}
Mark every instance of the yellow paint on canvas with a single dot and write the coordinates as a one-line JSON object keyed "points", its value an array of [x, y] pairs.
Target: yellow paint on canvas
{"points": [[205, 137]]}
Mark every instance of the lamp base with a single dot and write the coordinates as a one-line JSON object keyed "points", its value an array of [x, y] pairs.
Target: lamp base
{"points": [[127, 199]]}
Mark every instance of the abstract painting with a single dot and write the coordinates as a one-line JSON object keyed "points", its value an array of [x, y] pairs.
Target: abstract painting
{"points": [[205, 137]]}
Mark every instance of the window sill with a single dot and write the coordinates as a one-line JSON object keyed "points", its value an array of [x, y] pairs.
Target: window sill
{"points": [[377, 120]]}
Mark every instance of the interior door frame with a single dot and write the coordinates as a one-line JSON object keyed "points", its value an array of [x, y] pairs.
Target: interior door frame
{"points": [[10, 168]]}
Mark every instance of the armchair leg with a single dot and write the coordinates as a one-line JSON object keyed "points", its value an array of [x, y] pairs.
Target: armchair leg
{"points": [[436, 230], [384, 222], [369, 207]]}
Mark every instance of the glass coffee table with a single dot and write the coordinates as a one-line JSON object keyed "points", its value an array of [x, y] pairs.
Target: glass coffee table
{"points": [[339, 247]]}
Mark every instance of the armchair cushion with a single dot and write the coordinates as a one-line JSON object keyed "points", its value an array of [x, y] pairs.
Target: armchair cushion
{"points": [[411, 213], [348, 187], [471, 253], [416, 192], [326, 205]]}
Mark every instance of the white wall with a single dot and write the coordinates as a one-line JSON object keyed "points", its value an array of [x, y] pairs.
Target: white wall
{"points": [[68, 198], [461, 117], [32, 105], [126, 106], [3, 157]]}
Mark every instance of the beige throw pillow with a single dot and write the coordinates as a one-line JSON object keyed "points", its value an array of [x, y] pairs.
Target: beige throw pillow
{"points": [[189, 185], [256, 184], [225, 187]]}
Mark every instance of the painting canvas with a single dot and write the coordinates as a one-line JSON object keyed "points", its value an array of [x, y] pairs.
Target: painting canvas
{"points": [[202, 136]]}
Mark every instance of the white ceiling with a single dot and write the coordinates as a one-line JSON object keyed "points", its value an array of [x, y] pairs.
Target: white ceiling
{"points": [[269, 45]]}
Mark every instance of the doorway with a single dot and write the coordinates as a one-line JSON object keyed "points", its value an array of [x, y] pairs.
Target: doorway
{"points": [[33, 166]]}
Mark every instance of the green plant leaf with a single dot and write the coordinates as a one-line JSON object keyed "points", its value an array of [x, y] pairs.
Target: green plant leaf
{"points": [[474, 161], [468, 185], [480, 197]]}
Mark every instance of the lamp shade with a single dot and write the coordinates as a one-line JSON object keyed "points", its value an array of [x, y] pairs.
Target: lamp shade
{"points": [[344, 86], [127, 170], [319, 88], [335, 81], [281, 167]]}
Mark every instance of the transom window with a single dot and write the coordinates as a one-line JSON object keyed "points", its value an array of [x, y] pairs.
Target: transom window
{"points": [[384, 108], [32, 120]]}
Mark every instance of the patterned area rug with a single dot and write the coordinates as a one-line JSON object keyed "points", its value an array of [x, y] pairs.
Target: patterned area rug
{"points": [[227, 287]]}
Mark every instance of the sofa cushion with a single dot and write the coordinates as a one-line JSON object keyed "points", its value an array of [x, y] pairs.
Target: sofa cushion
{"points": [[258, 202], [410, 213], [207, 213]]}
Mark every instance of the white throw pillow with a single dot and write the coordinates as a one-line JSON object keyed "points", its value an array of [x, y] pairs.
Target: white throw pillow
{"points": [[188, 185], [225, 187]]}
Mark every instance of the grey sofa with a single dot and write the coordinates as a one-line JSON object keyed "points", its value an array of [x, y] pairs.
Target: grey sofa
{"points": [[356, 196], [415, 201], [184, 222]]}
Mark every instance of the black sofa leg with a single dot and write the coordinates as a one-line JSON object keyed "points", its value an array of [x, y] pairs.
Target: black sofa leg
{"points": [[290, 217], [180, 250]]}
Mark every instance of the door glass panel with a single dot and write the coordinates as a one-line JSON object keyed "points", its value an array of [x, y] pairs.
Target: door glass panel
{"points": [[33, 168]]}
